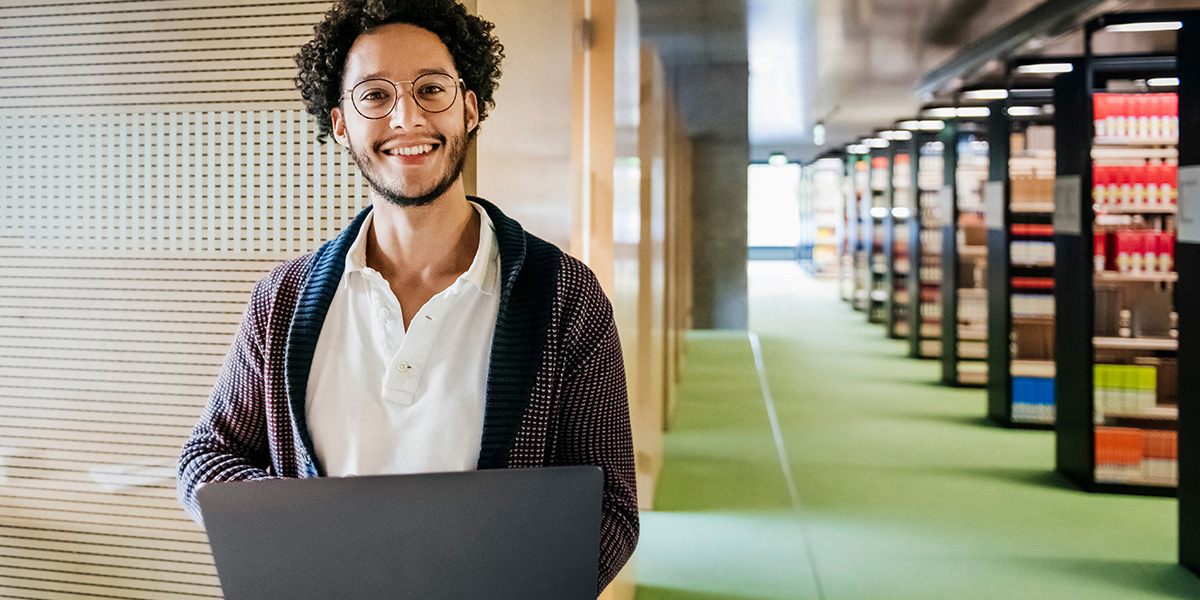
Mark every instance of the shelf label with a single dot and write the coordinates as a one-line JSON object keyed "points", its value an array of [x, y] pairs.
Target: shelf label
{"points": [[1067, 201], [1189, 204], [993, 205], [946, 199]]}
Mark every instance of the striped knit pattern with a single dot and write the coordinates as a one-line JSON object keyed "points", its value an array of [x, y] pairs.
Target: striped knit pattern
{"points": [[556, 391]]}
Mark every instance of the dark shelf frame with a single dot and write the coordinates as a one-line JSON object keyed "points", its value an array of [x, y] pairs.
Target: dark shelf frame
{"points": [[999, 239], [916, 247], [892, 224], [1074, 292], [950, 136], [878, 229]]}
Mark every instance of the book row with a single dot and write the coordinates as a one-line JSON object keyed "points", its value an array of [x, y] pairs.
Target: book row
{"points": [[1033, 399], [1148, 184], [1125, 389], [1131, 455], [1032, 253], [1134, 251], [1147, 116]]}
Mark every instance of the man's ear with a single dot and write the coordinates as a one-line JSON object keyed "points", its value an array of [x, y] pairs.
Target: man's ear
{"points": [[339, 127], [471, 104]]}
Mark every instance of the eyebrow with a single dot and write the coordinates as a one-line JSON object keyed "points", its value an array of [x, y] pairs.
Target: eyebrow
{"points": [[421, 72]]}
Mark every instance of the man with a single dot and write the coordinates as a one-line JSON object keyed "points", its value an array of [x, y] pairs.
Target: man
{"points": [[433, 334]]}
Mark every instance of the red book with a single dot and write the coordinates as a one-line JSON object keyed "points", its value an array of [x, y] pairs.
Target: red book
{"points": [[1169, 187], [1099, 251], [1101, 114], [1142, 108], [1166, 251], [1124, 177], [1149, 250], [1100, 182], [1154, 177], [1121, 113], [1139, 175], [1124, 258]]}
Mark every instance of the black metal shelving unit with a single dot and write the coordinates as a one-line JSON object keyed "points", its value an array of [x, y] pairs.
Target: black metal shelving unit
{"points": [[1020, 241], [876, 223], [847, 232], [899, 241], [964, 254], [925, 246], [858, 198], [1116, 343]]}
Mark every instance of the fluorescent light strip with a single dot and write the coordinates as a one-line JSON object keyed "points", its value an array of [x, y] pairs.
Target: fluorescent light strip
{"points": [[995, 94], [1024, 111], [939, 113], [1163, 81], [876, 143], [1046, 68], [857, 149], [971, 112], [1151, 26], [896, 135]]}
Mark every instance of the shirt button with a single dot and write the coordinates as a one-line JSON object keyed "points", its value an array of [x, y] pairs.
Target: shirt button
{"points": [[402, 366], [383, 313]]}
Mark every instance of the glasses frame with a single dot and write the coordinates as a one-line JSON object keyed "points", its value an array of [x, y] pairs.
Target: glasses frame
{"points": [[411, 92]]}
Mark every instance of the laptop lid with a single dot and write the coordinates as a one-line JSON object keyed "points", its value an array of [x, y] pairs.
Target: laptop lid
{"points": [[526, 534]]}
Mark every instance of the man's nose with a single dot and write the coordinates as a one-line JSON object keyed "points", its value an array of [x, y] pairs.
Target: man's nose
{"points": [[406, 114]]}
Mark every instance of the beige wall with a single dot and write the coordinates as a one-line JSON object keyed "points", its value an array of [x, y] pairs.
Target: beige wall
{"points": [[190, 193]]}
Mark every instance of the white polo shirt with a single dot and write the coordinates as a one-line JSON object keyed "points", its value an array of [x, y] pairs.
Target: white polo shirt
{"points": [[384, 400]]}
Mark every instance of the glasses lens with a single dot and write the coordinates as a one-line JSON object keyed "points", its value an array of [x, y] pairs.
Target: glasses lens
{"points": [[434, 92], [374, 98]]}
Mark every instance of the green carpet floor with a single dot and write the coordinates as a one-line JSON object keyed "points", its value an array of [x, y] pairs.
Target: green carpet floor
{"points": [[901, 489]]}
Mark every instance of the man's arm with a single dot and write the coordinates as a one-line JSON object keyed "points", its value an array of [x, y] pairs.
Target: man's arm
{"points": [[230, 443], [595, 426]]}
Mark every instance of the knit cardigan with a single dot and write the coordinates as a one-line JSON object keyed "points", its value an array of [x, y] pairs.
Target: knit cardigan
{"points": [[555, 394]]}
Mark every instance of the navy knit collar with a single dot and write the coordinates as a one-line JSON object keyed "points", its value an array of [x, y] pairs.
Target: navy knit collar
{"points": [[516, 344]]}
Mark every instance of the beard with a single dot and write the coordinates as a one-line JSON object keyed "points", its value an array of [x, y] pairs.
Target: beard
{"points": [[456, 154]]}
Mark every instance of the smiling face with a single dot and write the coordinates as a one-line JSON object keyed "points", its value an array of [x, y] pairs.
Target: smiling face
{"points": [[410, 157]]}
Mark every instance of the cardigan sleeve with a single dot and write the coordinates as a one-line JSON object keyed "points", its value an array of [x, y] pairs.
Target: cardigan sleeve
{"points": [[229, 442], [594, 424]]}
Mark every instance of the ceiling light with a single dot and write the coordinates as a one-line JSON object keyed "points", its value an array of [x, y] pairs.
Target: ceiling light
{"points": [[777, 160], [895, 135], [1162, 81], [933, 125], [985, 94], [1151, 26], [901, 212], [938, 113], [973, 111], [876, 143], [857, 149], [1046, 68], [879, 212], [1024, 111], [819, 134], [909, 125]]}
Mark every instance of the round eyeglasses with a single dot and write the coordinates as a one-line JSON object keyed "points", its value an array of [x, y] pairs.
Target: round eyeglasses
{"points": [[376, 98]]}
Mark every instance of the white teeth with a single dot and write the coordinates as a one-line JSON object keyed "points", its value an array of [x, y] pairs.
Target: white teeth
{"points": [[412, 150]]}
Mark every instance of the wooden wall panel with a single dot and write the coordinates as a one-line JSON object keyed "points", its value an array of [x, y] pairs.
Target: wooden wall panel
{"points": [[155, 162]]}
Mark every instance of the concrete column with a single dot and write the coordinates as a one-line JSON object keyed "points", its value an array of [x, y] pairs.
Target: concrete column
{"points": [[705, 57]]}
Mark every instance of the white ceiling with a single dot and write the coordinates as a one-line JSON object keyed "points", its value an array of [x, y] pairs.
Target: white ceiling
{"points": [[852, 65]]}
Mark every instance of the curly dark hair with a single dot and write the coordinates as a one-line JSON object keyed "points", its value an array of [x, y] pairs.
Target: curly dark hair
{"points": [[476, 52]]}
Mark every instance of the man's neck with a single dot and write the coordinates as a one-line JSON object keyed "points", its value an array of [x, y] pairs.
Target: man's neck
{"points": [[423, 243]]}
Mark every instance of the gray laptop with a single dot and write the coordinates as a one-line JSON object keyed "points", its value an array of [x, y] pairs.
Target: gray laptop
{"points": [[527, 534]]}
